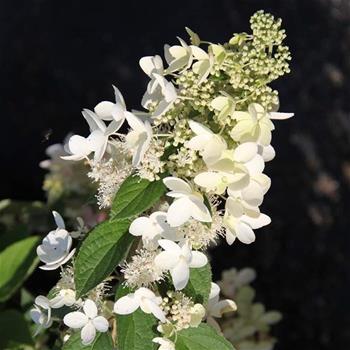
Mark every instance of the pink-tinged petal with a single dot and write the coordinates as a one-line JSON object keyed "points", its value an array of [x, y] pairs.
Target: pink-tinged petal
{"points": [[88, 333], [75, 320], [198, 259], [100, 323], [126, 305], [180, 274], [166, 260], [245, 233], [90, 309]]}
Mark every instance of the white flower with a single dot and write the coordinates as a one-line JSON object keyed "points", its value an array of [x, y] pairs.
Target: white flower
{"points": [[232, 169], [65, 297], [178, 258], [187, 203], [256, 124], [41, 313], [88, 321], [139, 138], [152, 64], [204, 64], [165, 344], [239, 225], [80, 147], [162, 91], [216, 308], [206, 142], [142, 298], [152, 228], [107, 110], [55, 248], [178, 57]]}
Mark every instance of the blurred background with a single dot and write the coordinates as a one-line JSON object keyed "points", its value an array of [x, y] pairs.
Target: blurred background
{"points": [[57, 57]]}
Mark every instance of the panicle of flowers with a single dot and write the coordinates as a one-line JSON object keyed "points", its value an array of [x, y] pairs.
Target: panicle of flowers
{"points": [[206, 134]]}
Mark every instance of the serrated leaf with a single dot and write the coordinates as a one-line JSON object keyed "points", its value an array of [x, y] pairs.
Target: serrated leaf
{"points": [[135, 196], [14, 330], [17, 262], [135, 331], [199, 284], [102, 250], [103, 341], [202, 337]]}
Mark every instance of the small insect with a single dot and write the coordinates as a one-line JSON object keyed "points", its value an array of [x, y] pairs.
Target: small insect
{"points": [[46, 135]]}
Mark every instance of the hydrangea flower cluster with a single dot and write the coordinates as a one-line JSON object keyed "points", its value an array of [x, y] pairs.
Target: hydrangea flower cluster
{"points": [[205, 134]]}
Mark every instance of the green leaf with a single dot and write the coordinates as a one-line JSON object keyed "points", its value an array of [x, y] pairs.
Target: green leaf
{"points": [[203, 337], [135, 196], [199, 284], [17, 262], [103, 249], [14, 330], [103, 341], [135, 331]]}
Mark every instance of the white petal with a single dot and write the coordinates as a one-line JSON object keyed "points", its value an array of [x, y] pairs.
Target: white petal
{"points": [[154, 309], [104, 110], [255, 165], [278, 115], [179, 212], [260, 221], [43, 302], [75, 320], [245, 233], [90, 309], [140, 226], [198, 259], [58, 220], [118, 96], [170, 246], [180, 274], [95, 123], [199, 129], [126, 305], [214, 291], [134, 122], [222, 307], [245, 152], [79, 146], [177, 185], [234, 207], [199, 211], [88, 333], [267, 152], [166, 260], [253, 194], [100, 323]]}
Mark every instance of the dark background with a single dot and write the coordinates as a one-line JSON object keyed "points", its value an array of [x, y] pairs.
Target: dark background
{"points": [[59, 56]]}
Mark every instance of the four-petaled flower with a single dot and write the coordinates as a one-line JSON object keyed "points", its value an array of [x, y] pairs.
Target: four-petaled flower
{"points": [[41, 313], [178, 258], [142, 298], [216, 308], [153, 228], [88, 321], [55, 248], [187, 203]]}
